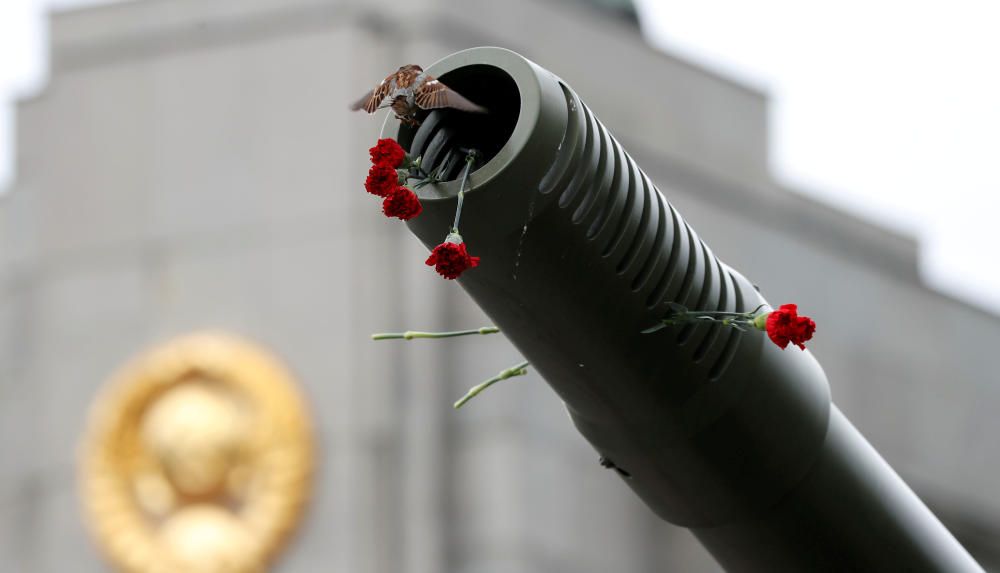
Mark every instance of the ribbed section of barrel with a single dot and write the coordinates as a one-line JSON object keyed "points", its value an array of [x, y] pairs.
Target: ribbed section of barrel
{"points": [[654, 256]]}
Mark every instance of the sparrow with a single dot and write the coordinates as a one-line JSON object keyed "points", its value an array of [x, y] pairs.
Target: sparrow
{"points": [[409, 90]]}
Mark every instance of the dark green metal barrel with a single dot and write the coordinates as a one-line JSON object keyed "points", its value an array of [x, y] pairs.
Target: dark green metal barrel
{"points": [[715, 429]]}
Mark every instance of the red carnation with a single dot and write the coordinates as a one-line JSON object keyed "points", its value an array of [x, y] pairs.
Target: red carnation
{"points": [[450, 258], [785, 325], [382, 180], [402, 203], [387, 152]]}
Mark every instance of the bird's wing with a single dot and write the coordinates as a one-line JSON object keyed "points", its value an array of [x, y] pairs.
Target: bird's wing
{"points": [[432, 94], [371, 100]]}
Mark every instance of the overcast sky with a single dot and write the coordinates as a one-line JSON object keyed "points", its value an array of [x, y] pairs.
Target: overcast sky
{"points": [[888, 109]]}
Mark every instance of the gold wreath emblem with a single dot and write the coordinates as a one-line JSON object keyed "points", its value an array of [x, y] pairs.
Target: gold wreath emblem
{"points": [[198, 458]]}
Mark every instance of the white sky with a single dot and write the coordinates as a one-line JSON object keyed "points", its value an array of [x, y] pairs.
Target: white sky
{"points": [[887, 109]]}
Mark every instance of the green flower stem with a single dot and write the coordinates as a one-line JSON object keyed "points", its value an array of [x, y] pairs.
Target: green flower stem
{"points": [[424, 180], [412, 169], [728, 321], [753, 319], [519, 370], [718, 313], [413, 165], [411, 334], [469, 158]]}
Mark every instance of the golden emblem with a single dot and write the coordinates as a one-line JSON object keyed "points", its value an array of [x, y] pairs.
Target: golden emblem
{"points": [[197, 459]]}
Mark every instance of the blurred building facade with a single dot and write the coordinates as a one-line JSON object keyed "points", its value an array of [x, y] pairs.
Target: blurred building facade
{"points": [[192, 165]]}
